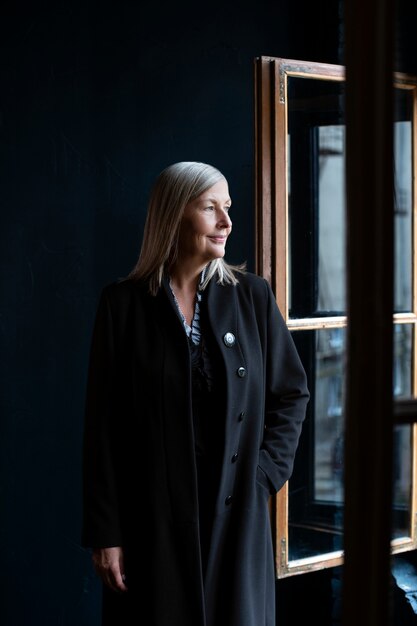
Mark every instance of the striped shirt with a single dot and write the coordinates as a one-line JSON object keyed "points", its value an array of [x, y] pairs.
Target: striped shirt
{"points": [[193, 331]]}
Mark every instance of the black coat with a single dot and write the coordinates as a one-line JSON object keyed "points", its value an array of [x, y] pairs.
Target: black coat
{"points": [[140, 484]]}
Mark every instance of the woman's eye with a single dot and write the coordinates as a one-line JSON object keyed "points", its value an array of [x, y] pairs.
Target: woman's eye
{"points": [[227, 208], [209, 208]]}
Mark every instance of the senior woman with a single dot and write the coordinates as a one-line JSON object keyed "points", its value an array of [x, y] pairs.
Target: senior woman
{"points": [[194, 406]]}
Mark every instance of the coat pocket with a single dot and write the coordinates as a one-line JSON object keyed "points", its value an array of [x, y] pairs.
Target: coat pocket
{"points": [[263, 480]]}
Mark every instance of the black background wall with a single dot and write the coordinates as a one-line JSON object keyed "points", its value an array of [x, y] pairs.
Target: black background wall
{"points": [[96, 98]]}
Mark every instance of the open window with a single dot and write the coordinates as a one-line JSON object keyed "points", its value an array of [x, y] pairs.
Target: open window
{"points": [[300, 249]]}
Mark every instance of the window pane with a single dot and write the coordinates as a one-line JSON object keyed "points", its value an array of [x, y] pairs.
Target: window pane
{"points": [[316, 496], [331, 224], [316, 198], [402, 481], [329, 402], [403, 346], [402, 443], [403, 200]]}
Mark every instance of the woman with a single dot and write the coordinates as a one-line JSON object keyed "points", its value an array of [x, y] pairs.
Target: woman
{"points": [[195, 401]]}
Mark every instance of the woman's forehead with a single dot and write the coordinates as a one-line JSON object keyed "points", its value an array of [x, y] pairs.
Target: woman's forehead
{"points": [[217, 193]]}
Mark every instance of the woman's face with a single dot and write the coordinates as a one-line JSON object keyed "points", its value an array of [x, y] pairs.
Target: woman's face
{"points": [[206, 225]]}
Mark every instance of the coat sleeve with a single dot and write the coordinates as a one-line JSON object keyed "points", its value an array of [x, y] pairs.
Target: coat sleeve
{"points": [[286, 398], [101, 527]]}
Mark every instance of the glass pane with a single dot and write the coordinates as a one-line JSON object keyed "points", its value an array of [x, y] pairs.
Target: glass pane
{"points": [[402, 443], [402, 481], [315, 504], [403, 200], [402, 372], [332, 236], [316, 198], [328, 406]]}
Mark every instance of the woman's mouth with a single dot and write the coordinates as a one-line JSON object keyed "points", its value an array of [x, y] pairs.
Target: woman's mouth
{"points": [[217, 239]]}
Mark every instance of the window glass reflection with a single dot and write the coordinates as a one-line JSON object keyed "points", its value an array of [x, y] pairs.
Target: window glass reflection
{"points": [[331, 282], [402, 481], [402, 372], [328, 410], [403, 215]]}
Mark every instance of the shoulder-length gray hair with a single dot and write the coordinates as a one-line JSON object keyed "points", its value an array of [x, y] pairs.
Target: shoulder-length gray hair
{"points": [[174, 188]]}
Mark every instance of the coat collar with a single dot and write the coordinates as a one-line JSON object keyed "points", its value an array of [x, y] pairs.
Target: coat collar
{"points": [[167, 292], [221, 305]]}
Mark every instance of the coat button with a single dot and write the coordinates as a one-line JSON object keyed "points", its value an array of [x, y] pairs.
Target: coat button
{"points": [[228, 500], [241, 372], [229, 340], [234, 457], [241, 416]]}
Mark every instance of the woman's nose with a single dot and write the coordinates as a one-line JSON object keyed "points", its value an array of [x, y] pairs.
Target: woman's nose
{"points": [[224, 219]]}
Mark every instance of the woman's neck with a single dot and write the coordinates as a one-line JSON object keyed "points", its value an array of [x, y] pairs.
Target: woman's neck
{"points": [[185, 278]]}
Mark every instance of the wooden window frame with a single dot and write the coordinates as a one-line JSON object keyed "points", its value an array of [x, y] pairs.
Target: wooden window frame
{"points": [[271, 259]]}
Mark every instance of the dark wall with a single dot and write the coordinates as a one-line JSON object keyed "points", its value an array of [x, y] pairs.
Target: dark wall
{"points": [[96, 99]]}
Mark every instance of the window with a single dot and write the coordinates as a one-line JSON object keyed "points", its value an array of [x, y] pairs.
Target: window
{"points": [[300, 203]]}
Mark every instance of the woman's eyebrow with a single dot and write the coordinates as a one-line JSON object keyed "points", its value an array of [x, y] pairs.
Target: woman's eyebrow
{"points": [[213, 199]]}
